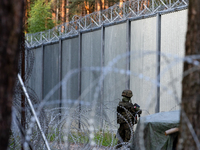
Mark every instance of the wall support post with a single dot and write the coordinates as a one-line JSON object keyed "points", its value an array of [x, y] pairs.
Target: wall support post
{"points": [[158, 51], [102, 65], [128, 48], [60, 74], [79, 76]]}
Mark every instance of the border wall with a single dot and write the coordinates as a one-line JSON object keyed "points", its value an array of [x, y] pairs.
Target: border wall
{"points": [[144, 54]]}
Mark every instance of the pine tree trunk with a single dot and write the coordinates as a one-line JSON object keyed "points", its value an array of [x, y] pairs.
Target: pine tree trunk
{"points": [[64, 11], [27, 11], [57, 12], [11, 14], [191, 83]]}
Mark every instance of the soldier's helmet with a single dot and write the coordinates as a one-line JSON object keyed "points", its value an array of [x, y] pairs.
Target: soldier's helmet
{"points": [[127, 93]]}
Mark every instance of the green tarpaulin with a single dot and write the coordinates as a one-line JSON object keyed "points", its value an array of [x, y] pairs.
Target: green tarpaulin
{"points": [[153, 128]]}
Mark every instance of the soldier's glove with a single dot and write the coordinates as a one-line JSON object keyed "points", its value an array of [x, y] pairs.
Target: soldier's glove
{"points": [[136, 107], [140, 112]]}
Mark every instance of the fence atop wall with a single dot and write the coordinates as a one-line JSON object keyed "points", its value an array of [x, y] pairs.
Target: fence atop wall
{"points": [[119, 12]]}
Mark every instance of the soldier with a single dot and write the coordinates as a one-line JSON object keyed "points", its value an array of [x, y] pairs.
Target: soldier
{"points": [[126, 117]]}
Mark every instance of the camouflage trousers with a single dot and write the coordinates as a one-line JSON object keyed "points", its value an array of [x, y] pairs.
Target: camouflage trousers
{"points": [[124, 132]]}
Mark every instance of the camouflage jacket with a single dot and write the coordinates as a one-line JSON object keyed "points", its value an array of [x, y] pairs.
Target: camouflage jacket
{"points": [[126, 112]]}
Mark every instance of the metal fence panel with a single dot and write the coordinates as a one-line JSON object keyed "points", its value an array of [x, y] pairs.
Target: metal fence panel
{"points": [[51, 72], [35, 81], [70, 60], [173, 29], [115, 79], [143, 63], [91, 57]]}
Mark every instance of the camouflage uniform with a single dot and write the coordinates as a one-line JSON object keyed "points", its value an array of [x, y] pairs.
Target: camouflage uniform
{"points": [[126, 112]]}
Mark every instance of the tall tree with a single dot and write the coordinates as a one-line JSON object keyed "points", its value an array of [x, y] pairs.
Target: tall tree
{"points": [[40, 17], [11, 14], [29, 3], [190, 110]]}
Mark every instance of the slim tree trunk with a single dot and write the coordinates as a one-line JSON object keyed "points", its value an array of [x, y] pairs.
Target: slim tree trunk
{"points": [[58, 11], [11, 14], [64, 10], [190, 107], [67, 12], [27, 11]]}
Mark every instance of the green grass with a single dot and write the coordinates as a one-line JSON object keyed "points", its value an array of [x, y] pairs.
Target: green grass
{"points": [[105, 139], [78, 137], [101, 138]]}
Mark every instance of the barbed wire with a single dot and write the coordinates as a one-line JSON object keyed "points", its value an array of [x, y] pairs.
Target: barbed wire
{"points": [[61, 124], [118, 12]]}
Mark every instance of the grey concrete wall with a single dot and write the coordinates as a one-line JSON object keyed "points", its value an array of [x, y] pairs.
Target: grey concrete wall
{"points": [[70, 88], [70, 57], [143, 63], [35, 81], [51, 71], [173, 32], [114, 82], [91, 57]]}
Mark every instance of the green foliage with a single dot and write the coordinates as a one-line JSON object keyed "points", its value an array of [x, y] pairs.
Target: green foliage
{"points": [[41, 17]]}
